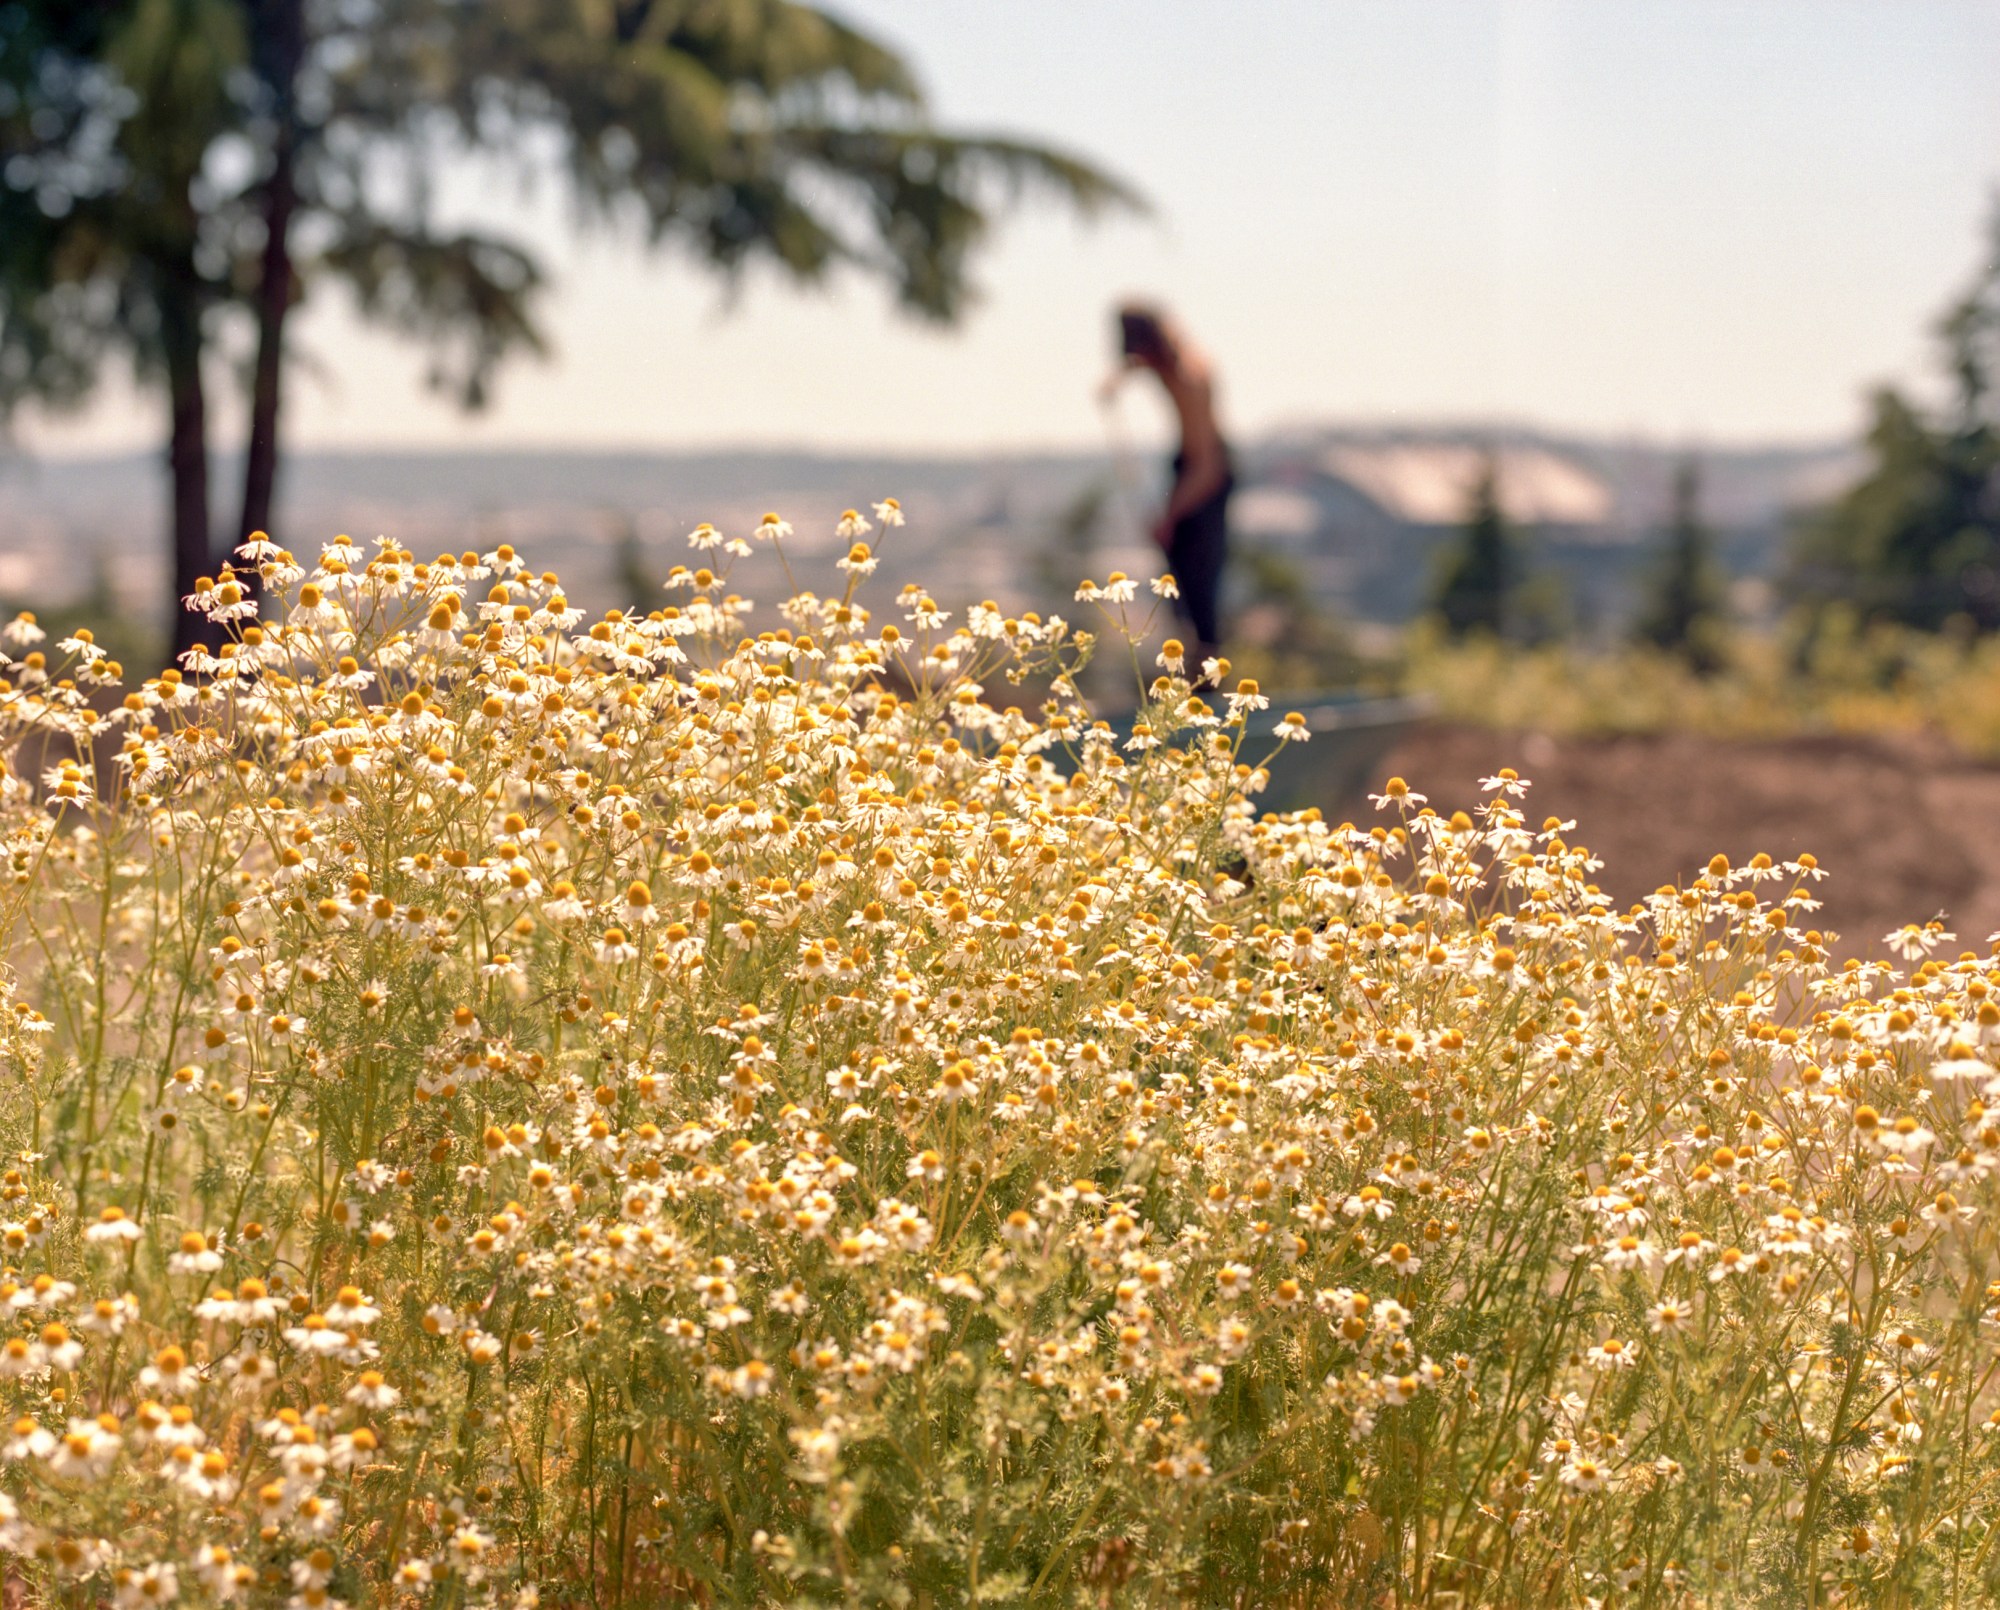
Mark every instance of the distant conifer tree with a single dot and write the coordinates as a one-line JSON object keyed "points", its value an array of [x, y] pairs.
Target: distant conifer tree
{"points": [[1683, 612], [1916, 539], [1479, 574]]}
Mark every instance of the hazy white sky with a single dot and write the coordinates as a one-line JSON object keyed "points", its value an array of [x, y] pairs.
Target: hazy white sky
{"points": [[1714, 219]]}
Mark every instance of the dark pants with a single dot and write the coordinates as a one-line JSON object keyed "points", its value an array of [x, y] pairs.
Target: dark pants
{"points": [[1197, 551]]}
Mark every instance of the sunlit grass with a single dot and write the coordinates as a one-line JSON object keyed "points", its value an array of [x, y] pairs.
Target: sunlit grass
{"points": [[1882, 680]]}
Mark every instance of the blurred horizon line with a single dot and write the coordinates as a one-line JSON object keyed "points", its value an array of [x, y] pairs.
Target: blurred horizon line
{"points": [[1444, 427]]}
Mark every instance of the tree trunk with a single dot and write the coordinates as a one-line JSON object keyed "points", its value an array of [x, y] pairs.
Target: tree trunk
{"points": [[187, 459], [274, 299], [279, 52]]}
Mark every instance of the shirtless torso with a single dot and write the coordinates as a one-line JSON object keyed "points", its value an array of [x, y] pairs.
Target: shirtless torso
{"points": [[1193, 527], [1202, 465]]}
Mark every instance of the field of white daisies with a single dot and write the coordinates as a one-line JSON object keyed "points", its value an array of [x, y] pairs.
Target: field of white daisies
{"points": [[730, 1109]]}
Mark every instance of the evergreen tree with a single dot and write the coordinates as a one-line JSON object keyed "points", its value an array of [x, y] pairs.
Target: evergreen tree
{"points": [[1476, 582], [1683, 612], [1917, 538]]}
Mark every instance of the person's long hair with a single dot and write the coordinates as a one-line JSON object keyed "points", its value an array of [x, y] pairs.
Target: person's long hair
{"points": [[1144, 333]]}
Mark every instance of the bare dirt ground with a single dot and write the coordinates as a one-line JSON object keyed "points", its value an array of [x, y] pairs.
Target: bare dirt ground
{"points": [[1907, 828]]}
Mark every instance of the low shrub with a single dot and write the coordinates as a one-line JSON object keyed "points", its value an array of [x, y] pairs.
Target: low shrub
{"points": [[504, 1110], [1850, 679]]}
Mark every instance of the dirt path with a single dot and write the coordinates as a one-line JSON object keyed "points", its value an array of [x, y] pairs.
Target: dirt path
{"points": [[1908, 829]]}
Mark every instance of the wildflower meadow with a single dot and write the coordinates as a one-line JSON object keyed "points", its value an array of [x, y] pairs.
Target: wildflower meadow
{"points": [[738, 1108]]}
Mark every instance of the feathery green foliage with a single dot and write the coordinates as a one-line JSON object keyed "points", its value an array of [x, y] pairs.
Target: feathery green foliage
{"points": [[170, 169]]}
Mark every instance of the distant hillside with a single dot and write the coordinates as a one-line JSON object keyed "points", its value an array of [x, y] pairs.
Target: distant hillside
{"points": [[1358, 512], [1362, 514]]}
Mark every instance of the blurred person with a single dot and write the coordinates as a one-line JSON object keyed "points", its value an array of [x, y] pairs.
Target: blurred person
{"points": [[1193, 528]]}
